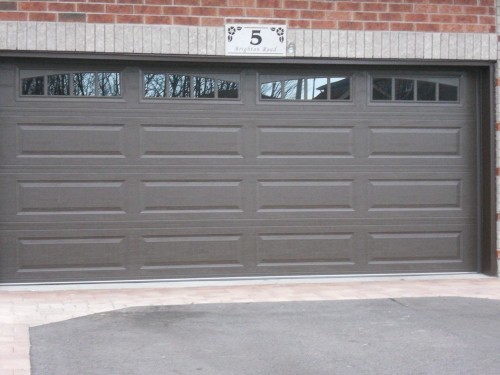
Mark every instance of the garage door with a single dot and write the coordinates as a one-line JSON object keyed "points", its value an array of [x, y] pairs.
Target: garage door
{"points": [[158, 171]]}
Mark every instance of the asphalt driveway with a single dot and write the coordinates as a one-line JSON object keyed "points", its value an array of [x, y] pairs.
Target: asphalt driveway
{"points": [[384, 336]]}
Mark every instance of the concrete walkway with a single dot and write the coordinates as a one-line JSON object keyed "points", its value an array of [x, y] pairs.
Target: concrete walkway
{"points": [[21, 308]]}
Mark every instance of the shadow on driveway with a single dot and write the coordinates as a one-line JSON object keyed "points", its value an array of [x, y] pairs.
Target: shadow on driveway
{"points": [[383, 336]]}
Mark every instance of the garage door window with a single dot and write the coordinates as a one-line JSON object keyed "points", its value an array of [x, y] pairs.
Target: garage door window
{"points": [[175, 86], [309, 88], [404, 89], [81, 84]]}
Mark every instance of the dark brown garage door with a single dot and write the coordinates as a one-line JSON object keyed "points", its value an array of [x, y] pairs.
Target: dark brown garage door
{"points": [[180, 171]]}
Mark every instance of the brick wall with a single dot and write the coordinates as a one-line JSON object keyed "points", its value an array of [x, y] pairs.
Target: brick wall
{"points": [[471, 16]]}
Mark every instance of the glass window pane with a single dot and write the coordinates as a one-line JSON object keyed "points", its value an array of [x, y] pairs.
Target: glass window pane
{"points": [[109, 84], [58, 84], [32, 86], [316, 88], [295, 89], [426, 90], [382, 89], [84, 84], [448, 92], [204, 87], [340, 88], [270, 90], [179, 86], [404, 89], [227, 89], [155, 85]]}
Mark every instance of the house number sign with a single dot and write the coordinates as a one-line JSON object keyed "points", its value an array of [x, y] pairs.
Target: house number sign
{"points": [[255, 40]]}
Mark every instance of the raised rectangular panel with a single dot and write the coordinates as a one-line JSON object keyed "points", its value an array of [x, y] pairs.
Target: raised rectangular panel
{"points": [[414, 195], [307, 249], [191, 251], [163, 141], [309, 195], [191, 196], [414, 142], [70, 141], [70, 197], [306, 142], [414, 246], [70, 254]]}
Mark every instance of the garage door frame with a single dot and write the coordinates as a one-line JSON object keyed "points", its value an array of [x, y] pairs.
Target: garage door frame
{"points": [[486, 120]]}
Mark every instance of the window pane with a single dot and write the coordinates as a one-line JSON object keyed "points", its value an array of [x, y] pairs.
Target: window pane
{"points": [[448, 92], [179, 86], [295, 89], [109, 84], [426, 90], [32, 86], [58, 84], [155, 86], [270, 90], [204, 87], [84, 84], [404, 89], [227, 89], [382, 89], [340, 88], [316, 88]]}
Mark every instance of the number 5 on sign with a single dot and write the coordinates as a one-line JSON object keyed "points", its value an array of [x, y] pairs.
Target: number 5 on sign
{"points": [[255, 40]]}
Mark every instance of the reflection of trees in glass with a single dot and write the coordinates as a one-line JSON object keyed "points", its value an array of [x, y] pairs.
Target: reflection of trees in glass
{"points": [[227, 89], [271, 90], [294, 89], [109, 84], [58, 84], [179, 86], [404, 89], [204, 87], [154, 85], [32, 86], [316, 88], [84, 84]]}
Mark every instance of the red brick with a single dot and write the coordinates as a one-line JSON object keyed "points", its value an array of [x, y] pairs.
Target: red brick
{"points": [[348, 25], [119, 9], [271, 21], [401, 26], [13, 16], [487, 20], [242, 3], [452, 28], [158, 2], [189, 21], [257, 12], [362, 16], [425, 8], [375, 7], [34, 6], [416, 17], [466, 19], [131, 1], [158, 20], [208, 21], [376, 26], [231, 12], [286, 13], [451, 9], [147, 9], [243, 20], [129, 18], [299, 24], [400, 8], [311, 14], [268, 3], [8, 5], [101, 18], [214, 3], [344, 16], [99, 1], [62, 7], [442, 18], [475, 10], [345, 5], [43, 17], [479, 28], [71, 17], [321, 5], [90, 8], [296, 4], [187, 2], [487, 3], [324, 24], [390, 17], [203, 11], [432, 27], [175, 11], [466, 2]]}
